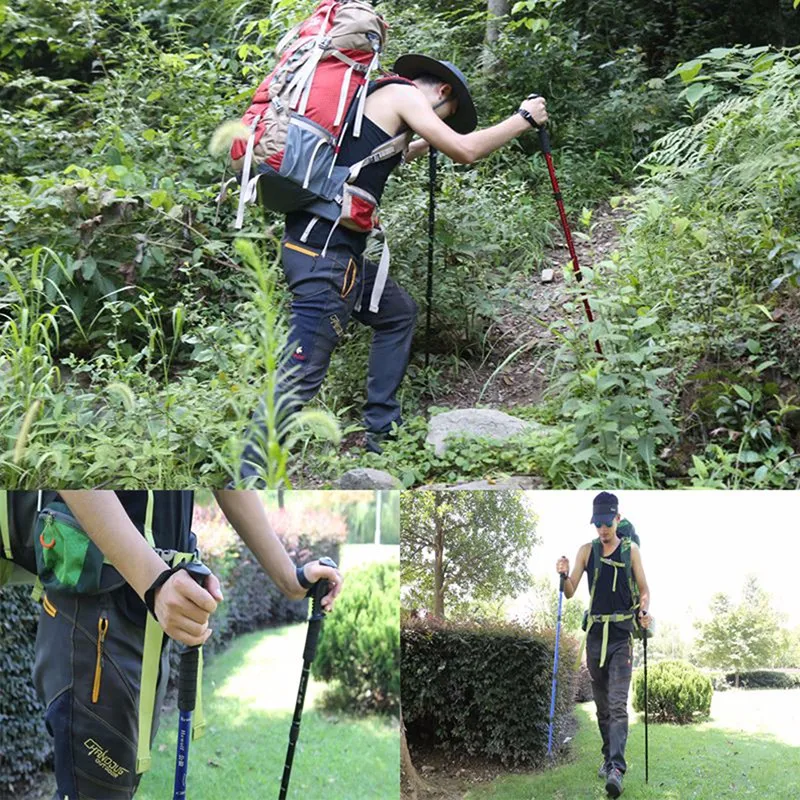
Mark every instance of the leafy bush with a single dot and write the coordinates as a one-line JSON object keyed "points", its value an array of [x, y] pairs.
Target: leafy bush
{"points": [[24, 743], [764, 679], [481, 690], [360, 644], [583, 685], [676, 692]]}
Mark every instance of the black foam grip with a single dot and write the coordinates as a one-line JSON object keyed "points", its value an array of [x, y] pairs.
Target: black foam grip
{"points": [[312, 637], [544, 139], [187, 680]]}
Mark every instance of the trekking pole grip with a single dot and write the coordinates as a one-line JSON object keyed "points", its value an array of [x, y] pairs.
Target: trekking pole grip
{"points": [[190, 657], [316, 593], [563, 580]]}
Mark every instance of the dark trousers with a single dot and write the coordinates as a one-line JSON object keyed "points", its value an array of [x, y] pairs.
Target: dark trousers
{"points": [[610, 684], [92, 716], [325, 293]]}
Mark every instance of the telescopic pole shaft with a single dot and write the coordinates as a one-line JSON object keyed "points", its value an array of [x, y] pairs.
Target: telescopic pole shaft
{"points": [[646, 753], [544, 141], [555, 669], [432, 171]]}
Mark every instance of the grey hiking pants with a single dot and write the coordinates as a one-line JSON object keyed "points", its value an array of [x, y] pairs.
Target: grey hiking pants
{"points": [[87, 673], [610, 684]]}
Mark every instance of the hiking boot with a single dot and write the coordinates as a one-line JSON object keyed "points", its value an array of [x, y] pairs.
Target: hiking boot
{"points": [[374, 442], [603, 771], [614, 783]]}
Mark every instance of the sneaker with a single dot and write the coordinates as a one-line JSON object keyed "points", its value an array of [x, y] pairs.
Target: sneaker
{"points": [[603, 771], [614, 783]]}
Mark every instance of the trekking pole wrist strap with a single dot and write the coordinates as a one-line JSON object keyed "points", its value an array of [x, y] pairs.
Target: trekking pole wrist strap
{"points": [[150, 594], [528, 117], [302, 579]]}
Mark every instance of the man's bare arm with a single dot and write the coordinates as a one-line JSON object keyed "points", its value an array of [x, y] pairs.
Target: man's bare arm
{"points": [[415, 111], [572, 582], [417, 148], [641, 580], [245, 511], [103, 517]]}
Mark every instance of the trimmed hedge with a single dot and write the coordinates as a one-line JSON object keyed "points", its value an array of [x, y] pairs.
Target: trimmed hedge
{"points": [[484, 690], [360, 642], [764, 679], [583, 685], [24, 742], [676, 692]]}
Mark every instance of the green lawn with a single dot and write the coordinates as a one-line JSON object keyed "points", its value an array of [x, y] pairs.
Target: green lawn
{"points": [[731, 756], [249, 696]]}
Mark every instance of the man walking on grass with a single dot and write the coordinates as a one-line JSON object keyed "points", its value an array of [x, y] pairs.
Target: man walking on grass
{"points": [[620, 599]]}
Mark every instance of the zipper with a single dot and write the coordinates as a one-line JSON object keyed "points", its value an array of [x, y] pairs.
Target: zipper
{"points": [[102, 630]]}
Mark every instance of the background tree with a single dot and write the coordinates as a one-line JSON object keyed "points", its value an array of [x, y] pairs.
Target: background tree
{"points": [[541, 607], [463, 548], [497, 10], [743, 636]]}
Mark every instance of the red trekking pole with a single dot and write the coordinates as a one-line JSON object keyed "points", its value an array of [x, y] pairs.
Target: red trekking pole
{"points": [[544, 141]]}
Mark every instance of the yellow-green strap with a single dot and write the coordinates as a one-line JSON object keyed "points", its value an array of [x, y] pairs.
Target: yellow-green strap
{"points": [[148, 519], [5, 525], [151, 660]]}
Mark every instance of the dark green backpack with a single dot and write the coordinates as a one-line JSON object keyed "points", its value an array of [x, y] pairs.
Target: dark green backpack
{"points": [[19, 511]]}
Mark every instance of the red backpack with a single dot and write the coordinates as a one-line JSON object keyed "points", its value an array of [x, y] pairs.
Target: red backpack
{"points": [[302, 111]]}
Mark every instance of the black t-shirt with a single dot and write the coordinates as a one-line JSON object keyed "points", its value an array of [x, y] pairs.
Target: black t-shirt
{"points": [[608, 601], [373, 179]]}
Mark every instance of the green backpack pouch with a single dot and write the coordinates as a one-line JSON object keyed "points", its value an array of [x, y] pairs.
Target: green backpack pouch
{"points": [[67, 560]]}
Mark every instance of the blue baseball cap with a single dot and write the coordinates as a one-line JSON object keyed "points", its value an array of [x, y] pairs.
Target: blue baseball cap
{"points": [[605, 508]]}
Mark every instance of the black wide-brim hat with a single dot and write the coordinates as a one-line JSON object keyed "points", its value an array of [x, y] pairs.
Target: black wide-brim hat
{"points": [[411, 66]]}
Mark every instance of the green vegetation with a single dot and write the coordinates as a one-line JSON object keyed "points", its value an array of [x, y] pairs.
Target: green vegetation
{"points": [[676, 692], [360, 645], [249, 695], [684, 762], [138, 335]]}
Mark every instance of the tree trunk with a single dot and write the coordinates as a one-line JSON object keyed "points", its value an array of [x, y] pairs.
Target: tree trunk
{"points": [[497, 9], [407, 769], [438, 563]]}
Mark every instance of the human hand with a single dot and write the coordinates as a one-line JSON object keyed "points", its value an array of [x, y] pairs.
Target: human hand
{"points": [[645, 620], [315, 572], [183, 607], [562, 566], [536, 106]]}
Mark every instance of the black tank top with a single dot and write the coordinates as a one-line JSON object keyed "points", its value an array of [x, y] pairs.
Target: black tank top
{"points": [[373, 179], [606, 600]]}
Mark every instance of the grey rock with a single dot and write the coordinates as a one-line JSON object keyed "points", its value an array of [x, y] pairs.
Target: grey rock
{"points": [[513, 484], [367, 478], [481, 423]]}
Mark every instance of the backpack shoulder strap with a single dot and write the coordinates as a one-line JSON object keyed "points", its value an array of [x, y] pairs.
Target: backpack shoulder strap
{"points": [[597, 554], [387, 80], [5, 525]]}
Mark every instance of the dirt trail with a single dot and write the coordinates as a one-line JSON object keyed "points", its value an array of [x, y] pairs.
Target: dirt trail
{"points": [[522, 381]]}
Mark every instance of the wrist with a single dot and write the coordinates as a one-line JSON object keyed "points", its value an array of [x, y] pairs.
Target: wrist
{"points": [[528, 117]]}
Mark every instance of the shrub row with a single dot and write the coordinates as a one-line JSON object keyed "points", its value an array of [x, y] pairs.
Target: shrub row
{"points": [[24, 743], [484, 690], [764, 679]]}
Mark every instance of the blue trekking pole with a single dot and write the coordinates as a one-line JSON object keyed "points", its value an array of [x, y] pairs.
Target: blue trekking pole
{"points": [[316, 593], [555, 667], [187, 694]]}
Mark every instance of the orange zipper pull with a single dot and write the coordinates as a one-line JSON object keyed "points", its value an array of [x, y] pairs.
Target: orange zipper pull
{"points": [[102, 629]]}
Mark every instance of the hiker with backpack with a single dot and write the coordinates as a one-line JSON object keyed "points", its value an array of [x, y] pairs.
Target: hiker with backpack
{"points": [[112, 579], [324, 140], [618, 611]]}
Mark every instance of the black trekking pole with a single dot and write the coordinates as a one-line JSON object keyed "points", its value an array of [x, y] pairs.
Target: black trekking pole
{"points": [[432, 167], [544, 141], [555, 667], [187, 694], [316, 593]]}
